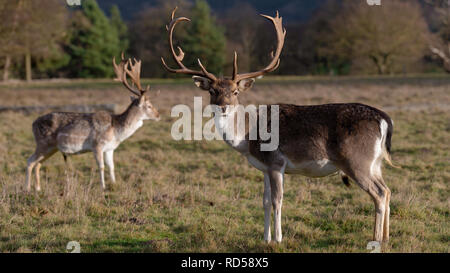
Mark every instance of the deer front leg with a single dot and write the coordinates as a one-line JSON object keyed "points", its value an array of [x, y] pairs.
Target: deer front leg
{"points": [[276, 189], [109, 160], [38, 178], [267, 203], [101, 166]]}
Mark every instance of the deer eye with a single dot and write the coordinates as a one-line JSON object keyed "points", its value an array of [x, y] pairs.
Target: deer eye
{"points": [[236, 92]]}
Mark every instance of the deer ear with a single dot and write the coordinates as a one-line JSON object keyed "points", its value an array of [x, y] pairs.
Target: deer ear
{"points": [[201, 82], [245, 84], [141, 100]]}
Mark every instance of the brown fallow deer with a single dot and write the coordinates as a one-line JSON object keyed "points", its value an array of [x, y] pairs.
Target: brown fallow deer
{"points": [[100, 132], [315, 140]]}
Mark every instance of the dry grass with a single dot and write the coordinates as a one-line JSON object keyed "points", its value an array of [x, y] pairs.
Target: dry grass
{"points": [[201, 196]]}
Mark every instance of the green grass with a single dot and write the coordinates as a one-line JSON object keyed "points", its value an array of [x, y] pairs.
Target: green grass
{"points": [[279, 80], [201, 196]]}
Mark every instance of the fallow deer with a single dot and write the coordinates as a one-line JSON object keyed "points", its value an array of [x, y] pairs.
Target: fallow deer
{"points": [[100, 132], [314, 141]]}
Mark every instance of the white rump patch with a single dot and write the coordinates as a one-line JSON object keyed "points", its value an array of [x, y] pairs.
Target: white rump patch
{"points": [[375, 167]]}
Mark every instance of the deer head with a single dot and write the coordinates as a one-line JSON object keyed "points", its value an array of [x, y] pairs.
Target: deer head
{"points": [[140, 98], [224, 91]]}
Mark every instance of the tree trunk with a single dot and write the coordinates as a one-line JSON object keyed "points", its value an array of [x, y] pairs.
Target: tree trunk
{"points": [[377, 63], [387, 64], [6, 68], [28, 65], [382, 69], [381, 64]]}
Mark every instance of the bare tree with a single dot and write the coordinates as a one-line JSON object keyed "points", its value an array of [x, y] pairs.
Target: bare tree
{"points": [[382, 39], [241, 21], [30, 29], [8, 27], [439, 43]]}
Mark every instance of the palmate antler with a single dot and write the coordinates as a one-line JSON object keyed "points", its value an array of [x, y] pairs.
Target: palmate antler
{"points": [[122, 71], [281, 34]]}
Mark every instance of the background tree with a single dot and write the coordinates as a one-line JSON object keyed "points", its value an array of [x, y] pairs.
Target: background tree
{"points": [[9, 16], [384, 40], [148, 35], [439, 42], [309, 47], [328, 58], [200, 38], [120, 26], [33, 32], [94, 40], [241, 23], [204, 40], [341, 37]]}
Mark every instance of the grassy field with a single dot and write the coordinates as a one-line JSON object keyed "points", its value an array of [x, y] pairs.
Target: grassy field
{"points": [[201, 196]]}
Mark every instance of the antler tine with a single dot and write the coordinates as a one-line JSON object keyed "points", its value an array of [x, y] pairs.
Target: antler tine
{"points": [[235, 67], [135, 73], [281, 34], [173, 13], [180, 56], [205, 72], [275, 67], [118, 69]]}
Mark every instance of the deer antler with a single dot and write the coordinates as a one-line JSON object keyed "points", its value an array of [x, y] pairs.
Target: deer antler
{"points": [[122, 71], [179, 57], [281, 33]]}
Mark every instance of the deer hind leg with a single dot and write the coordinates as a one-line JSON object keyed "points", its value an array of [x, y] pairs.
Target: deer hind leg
{"points": [[379, 193], [276, 188], [377, 178], [38, 168], [387, 212], [35, 160], [267, 203], [365, 177]]}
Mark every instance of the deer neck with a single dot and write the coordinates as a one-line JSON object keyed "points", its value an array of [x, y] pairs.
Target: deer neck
{"points": [[128, 122], [227, 127]]}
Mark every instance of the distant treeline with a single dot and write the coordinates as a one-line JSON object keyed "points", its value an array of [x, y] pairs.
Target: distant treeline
{"points": [[47, 39]]}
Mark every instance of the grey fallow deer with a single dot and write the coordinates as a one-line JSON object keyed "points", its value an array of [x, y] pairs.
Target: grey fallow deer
{"points": [[100, 132], [314, 141]]}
